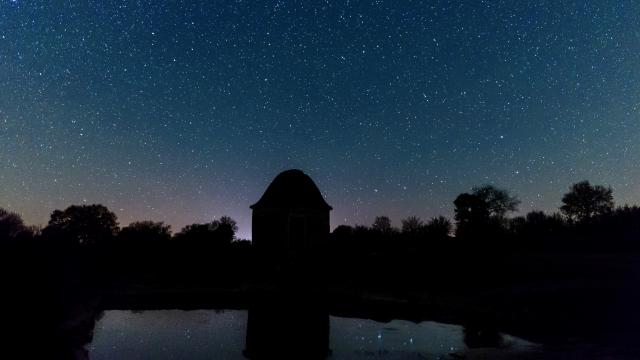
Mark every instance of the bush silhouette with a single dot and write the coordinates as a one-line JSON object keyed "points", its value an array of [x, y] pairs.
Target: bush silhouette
{"points": [[147, 232], [412, 225], [438, 227], [218, 233]]}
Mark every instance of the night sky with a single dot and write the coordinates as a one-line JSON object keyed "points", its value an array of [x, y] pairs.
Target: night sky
{"points": [[183, 112]]}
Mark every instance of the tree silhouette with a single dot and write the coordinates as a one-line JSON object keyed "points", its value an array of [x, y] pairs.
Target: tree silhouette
{"points": [[470, 209], [382, 224], [438, 227], [342, 231], [585, 201], [227, 227], [82, 224], [145, 231], [342, 239], [11, 225], [539, 227], [623, 225], [498, 201], [218, 233], [482, 212], [196, 232], [412, 225]]}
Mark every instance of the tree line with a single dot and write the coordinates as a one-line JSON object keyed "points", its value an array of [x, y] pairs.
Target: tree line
{"points": [[587, 219], [587, 214], [92, 225]]}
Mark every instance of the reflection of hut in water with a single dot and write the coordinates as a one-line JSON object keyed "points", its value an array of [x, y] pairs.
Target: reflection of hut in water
{"points": [[288, 325], [292, 217]]}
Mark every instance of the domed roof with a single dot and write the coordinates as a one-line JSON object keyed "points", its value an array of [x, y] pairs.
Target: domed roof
{"points": [[292, 189]]}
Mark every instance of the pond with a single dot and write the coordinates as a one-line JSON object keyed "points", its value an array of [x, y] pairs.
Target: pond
{"points": [[207, 334]]}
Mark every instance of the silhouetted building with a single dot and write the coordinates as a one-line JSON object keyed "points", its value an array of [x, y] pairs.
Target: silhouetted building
{"points": [[291, 218]]}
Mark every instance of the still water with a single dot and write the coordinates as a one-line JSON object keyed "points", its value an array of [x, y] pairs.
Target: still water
{"points": [[207, 334]]}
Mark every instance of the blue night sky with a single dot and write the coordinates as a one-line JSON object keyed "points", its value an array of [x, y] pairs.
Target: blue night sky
{"points": [[184, 111]]}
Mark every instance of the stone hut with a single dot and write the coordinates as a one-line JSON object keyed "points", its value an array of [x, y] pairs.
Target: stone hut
{"points": [[291, 218]]}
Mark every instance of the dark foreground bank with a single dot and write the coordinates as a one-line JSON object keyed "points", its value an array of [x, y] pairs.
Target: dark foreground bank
{"points": [[560, 300]]}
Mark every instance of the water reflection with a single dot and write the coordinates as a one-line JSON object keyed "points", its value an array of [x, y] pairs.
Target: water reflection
{"points": [[170, 334], [45, 330], [287, 325], [206, 334], [279, 327]]}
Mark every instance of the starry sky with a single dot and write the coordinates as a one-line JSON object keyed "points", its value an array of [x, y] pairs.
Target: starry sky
{"points": [[185, 111]]}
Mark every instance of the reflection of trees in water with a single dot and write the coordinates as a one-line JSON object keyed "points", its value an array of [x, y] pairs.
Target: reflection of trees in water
{"points": [[46, 331], [77, 330], [49, 302]]}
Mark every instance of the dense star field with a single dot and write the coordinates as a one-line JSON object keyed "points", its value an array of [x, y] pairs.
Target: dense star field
{"points": [[185, 111]]}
